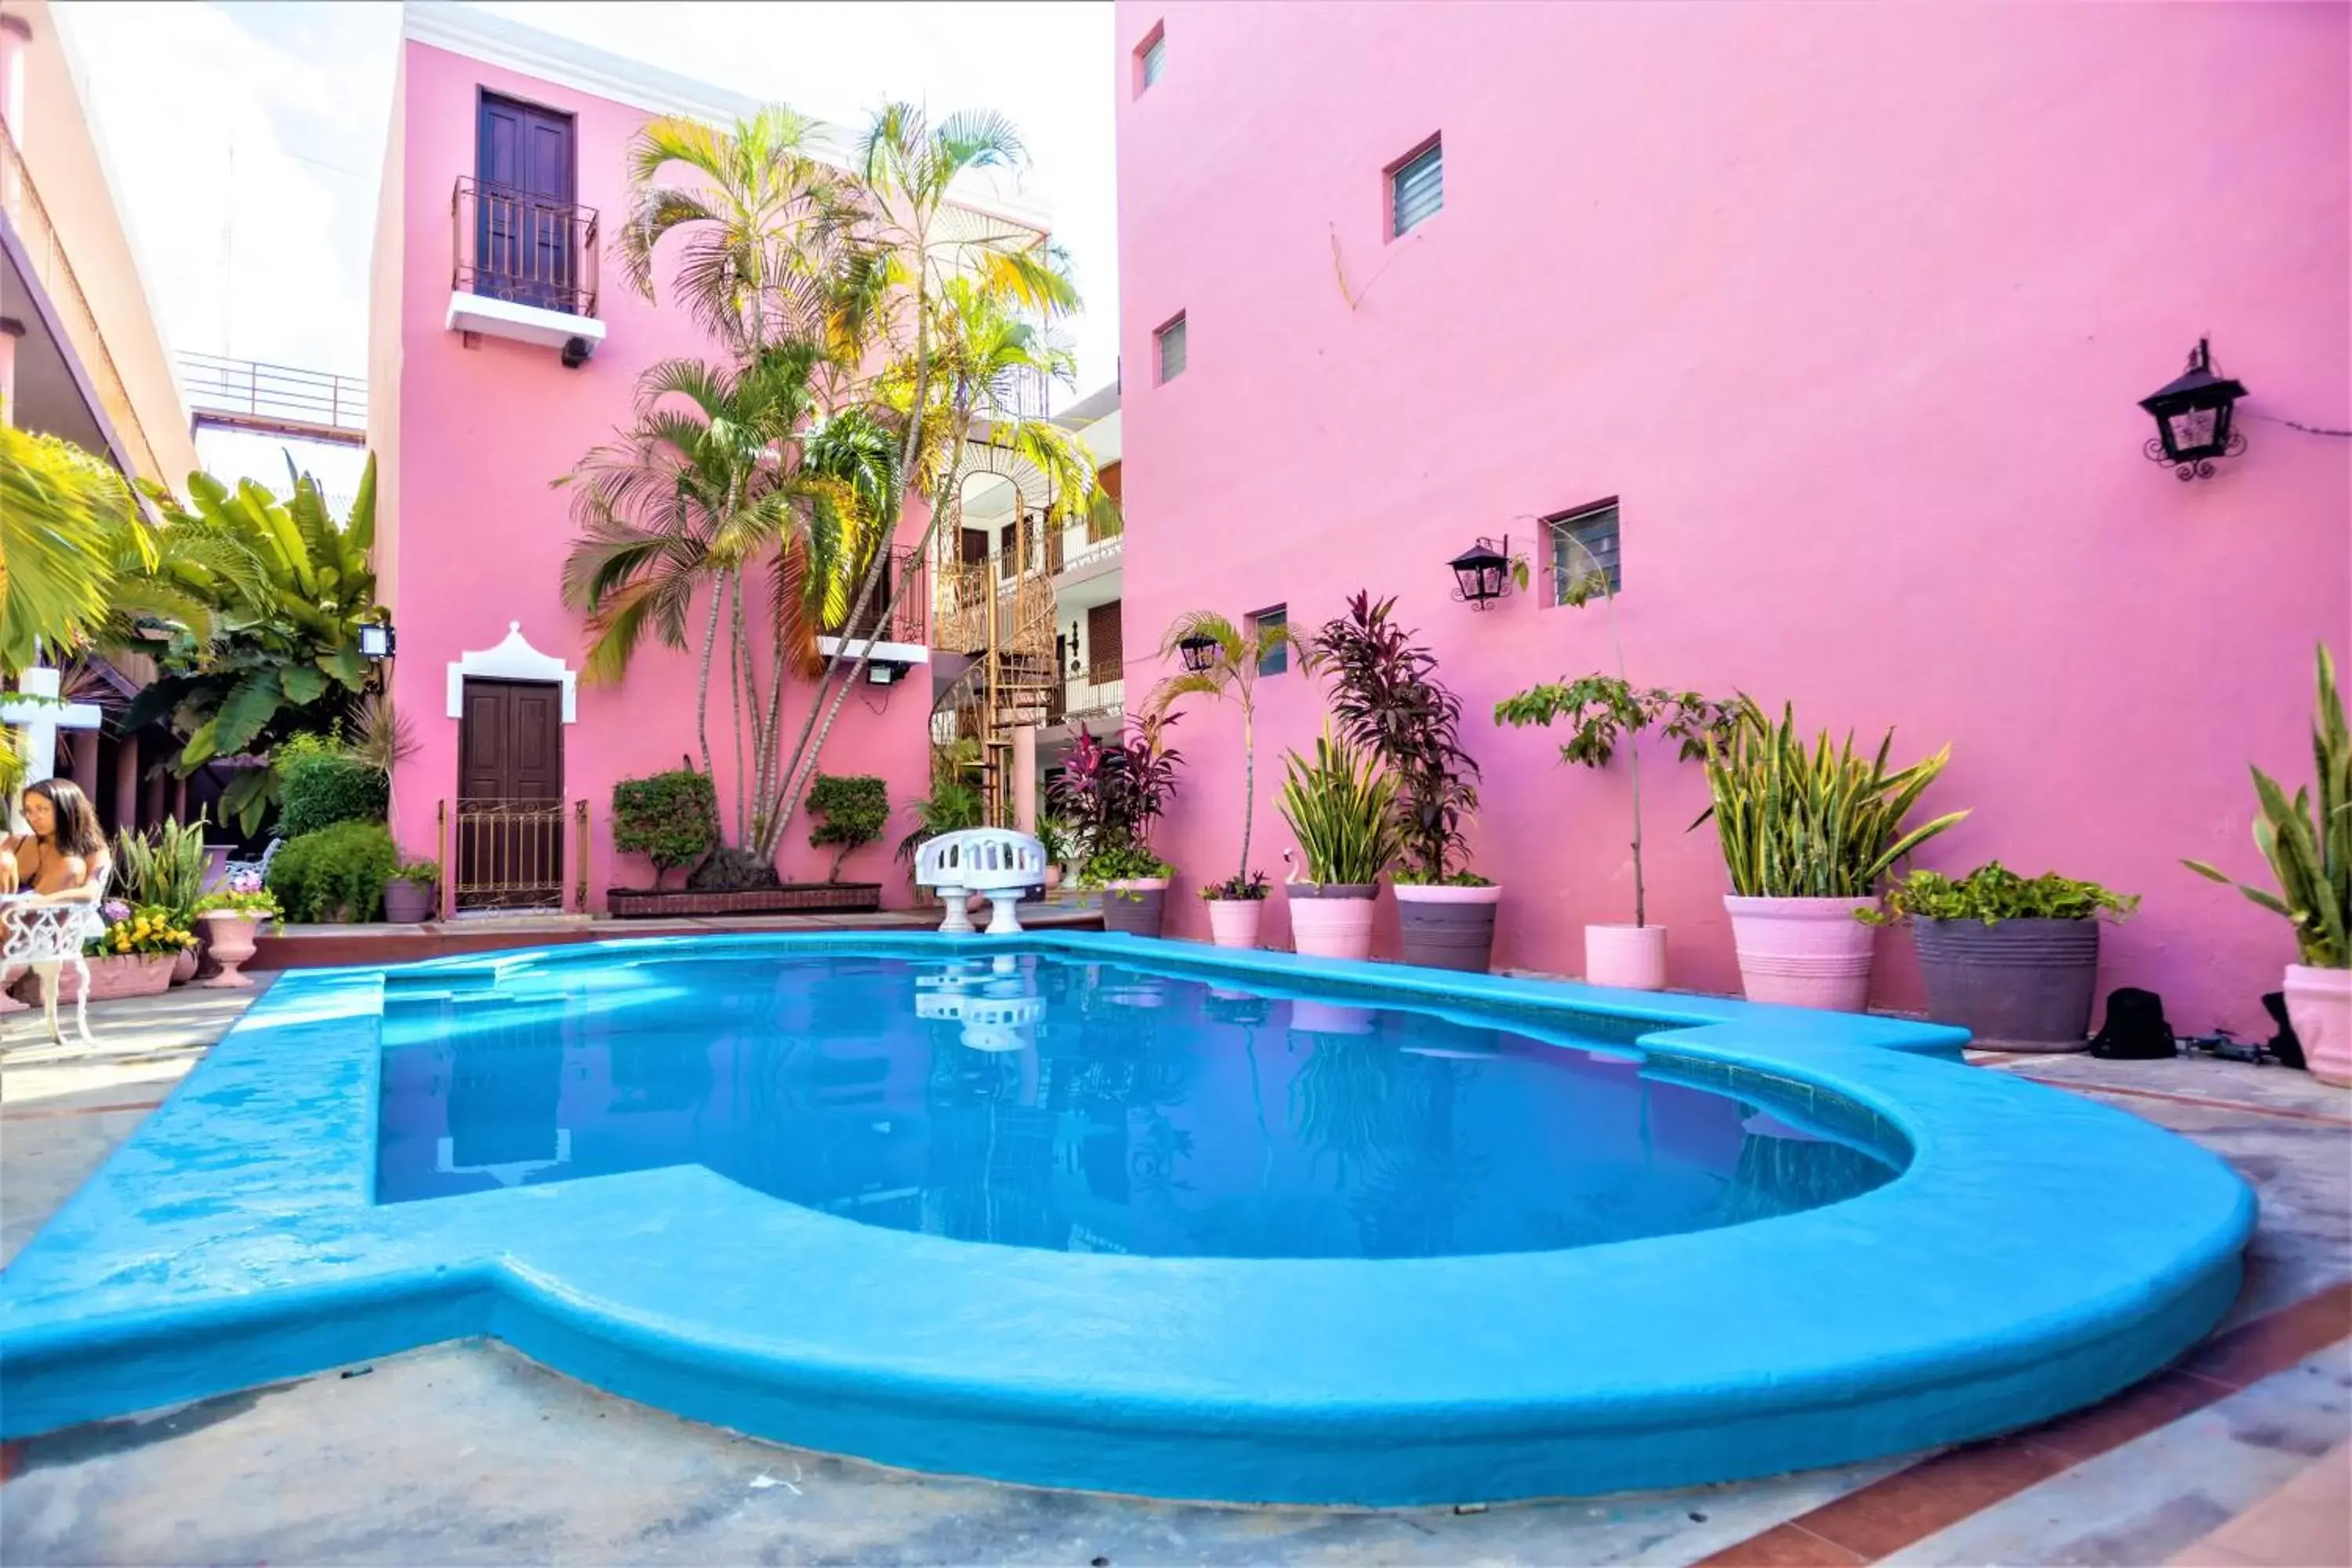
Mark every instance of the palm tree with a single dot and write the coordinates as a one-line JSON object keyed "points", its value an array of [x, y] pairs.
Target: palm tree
{"points": [[60, 511], [984, 356], [1236, 659], [759, 232], [709, 487]]}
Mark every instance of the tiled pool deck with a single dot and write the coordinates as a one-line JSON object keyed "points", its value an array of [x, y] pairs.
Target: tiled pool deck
{"points": [[467, 1453]]}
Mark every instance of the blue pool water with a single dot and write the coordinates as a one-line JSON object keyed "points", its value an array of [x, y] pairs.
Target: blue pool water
{"points": [[1046, 1102]]}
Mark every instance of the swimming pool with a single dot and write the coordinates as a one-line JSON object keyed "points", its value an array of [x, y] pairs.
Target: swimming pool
{"points": [[1107, 1212]]}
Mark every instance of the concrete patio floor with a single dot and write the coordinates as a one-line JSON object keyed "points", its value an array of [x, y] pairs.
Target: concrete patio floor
{"points": [[469, 1453]]}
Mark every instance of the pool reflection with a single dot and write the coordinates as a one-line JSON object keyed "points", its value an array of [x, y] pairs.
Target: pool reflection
{"points": [[1030, 1101]]}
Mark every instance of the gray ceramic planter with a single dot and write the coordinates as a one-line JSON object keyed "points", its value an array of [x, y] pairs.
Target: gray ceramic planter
{"points": [[1448, 928], [2018, 985], [1136, 906]]}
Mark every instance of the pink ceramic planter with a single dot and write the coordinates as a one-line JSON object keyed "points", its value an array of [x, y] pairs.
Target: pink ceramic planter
{"points": [[1324, 924], [116, 974], [232, 944], [2319, 1005], [1803, 952], [1632, 958], [1234, 922]]}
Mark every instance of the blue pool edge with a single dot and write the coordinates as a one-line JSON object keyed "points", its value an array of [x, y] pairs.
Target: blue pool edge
{"points": [[2006, 1277]]}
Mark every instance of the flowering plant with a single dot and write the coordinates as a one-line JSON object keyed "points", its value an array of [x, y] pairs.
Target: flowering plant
{"points": [[244, 895], [143, 930]]}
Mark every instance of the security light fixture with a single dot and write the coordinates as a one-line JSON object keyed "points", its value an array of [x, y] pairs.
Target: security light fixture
{"points": [[377, 640], [1483, 571], [2192, 418]]}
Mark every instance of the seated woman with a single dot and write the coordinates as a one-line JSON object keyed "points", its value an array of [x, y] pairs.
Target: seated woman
{"points": [[63, 859]]}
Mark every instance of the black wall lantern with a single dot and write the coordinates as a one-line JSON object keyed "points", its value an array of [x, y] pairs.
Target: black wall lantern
{"points": [[1199, 652], [2192, 418], [1483, 571]]}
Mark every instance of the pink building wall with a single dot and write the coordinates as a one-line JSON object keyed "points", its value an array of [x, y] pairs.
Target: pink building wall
{"points": [[477, 537], [1850, 307]]}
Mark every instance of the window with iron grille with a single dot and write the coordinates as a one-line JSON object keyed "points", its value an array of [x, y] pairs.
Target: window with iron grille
{"points": [[1169, 345], [1594, 529], [1274, 660], [1151, 60], [1416, 188]]}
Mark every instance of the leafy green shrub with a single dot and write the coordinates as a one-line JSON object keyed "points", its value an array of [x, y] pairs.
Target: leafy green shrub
{"points": [[1122, 863], [1342, 808], [319, 784], [855, 807], [336, 873], [1993, 893], [670, 818]]}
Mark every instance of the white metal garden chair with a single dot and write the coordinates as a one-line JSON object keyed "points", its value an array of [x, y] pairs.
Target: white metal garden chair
{"points": [[48, 937], [997, 863]]}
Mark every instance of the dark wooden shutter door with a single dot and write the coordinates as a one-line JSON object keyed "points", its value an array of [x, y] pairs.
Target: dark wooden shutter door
{"points": [[1106, 658], [510, 793], [524, 160]]}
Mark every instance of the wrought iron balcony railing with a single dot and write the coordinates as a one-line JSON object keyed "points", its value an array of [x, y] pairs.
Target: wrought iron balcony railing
{"points": [[508, 244], [273, 395], [909, 621]]}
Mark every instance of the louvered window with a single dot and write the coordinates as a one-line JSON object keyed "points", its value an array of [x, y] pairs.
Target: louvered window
{"points": [[1417, 189], [1106, 657], [1154, 57], [1169, 342], [1580, 541]]}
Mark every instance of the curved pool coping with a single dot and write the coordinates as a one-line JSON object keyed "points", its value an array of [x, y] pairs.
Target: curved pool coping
{"points": [[2039, 1252]]}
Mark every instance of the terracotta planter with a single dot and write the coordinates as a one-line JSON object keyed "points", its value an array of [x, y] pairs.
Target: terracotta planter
{"points": [[1632, 958], [232, 944], [1234, 922], [2319, 1005], [407, 904], [1448, 928], [183, 966], [116, 974], [2015, 986], [1332, 919], [1135, 906], [1803, 952]]}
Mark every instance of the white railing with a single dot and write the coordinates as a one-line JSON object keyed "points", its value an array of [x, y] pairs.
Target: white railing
{"points": [[1079, 555]]}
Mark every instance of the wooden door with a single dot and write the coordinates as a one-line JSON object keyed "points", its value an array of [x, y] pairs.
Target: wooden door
{"points": [[510, 795], [523, 158]]}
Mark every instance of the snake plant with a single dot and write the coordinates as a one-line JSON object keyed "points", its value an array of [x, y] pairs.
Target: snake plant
{"points": [[2310, 854], [1343, 806], [1822, 823]]}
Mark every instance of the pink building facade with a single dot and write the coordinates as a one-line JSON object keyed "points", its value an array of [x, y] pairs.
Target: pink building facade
{"points": [[1847, 311], [482, 399]]}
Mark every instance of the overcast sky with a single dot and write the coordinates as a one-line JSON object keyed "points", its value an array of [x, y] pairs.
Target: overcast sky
{"points": [[247, 139]]}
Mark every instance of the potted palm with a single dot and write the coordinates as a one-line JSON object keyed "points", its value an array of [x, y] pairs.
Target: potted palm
{"points": [[1222, 661], [1343, 806], [1601, 711], [1806, 834], [2013, 960], [1388, 703], [2310, 855]]}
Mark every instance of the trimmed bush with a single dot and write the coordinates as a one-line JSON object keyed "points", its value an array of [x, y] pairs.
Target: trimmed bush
{"points": [[335, 874], [855, 808], [671, 819], [319, 784]]}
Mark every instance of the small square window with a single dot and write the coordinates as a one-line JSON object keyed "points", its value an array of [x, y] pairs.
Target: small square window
{"points": [[1416, 189], [1167, 344], [1274, 660], [1150, 60], [1579, 541]]}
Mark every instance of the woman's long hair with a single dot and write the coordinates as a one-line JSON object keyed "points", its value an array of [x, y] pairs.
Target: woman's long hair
{"points": [[77, 831]]}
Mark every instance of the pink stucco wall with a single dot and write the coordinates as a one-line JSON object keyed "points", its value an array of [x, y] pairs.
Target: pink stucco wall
{"points": [[476, 437], [1850, 306]]}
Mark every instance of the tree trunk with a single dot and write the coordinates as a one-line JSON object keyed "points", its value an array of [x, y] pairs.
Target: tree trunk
{"points": [[702, 685], [804, 761], [908, 448], [1633, 762], [1249, 793], [735, 693]]}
